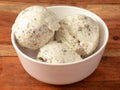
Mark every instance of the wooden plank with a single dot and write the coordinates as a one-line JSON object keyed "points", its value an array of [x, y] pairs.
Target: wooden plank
{"points": [[109, 13], [109, 52], [67, 1], [6, 21], [8, 50], [114, 39], [5, 35], [13, 76]]}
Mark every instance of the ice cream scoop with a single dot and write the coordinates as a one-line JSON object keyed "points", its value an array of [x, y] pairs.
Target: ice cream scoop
{"points": [[57, 52], [80, 33], [35, 26]]}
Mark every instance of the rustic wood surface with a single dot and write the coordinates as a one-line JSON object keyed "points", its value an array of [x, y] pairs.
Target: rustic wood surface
{"points": [[106, 76]]}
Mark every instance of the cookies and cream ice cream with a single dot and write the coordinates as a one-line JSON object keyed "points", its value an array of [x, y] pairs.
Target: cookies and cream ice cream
{"points": [[57, 52], [35, 26], [75, 36], [80, 33]]}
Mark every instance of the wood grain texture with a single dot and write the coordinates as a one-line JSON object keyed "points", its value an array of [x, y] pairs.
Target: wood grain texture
{"points": [[67, 1], [106, 76]]}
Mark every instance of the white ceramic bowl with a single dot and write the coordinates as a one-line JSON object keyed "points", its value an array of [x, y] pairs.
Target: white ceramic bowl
{"points": [[66, 73]]}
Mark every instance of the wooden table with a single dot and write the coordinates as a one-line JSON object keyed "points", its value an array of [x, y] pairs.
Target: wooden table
{"points": [[106, 76]]}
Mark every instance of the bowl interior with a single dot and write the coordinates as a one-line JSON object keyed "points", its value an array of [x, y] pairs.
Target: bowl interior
{"points": [[62, 12]]}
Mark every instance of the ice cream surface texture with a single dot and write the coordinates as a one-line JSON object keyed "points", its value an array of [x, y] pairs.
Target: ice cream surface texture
{"points": [[80, 33], [35, 26], [57, 52]]}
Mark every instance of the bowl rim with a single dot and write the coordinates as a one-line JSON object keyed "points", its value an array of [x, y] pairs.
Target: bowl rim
{"points": [[71, 63]]}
